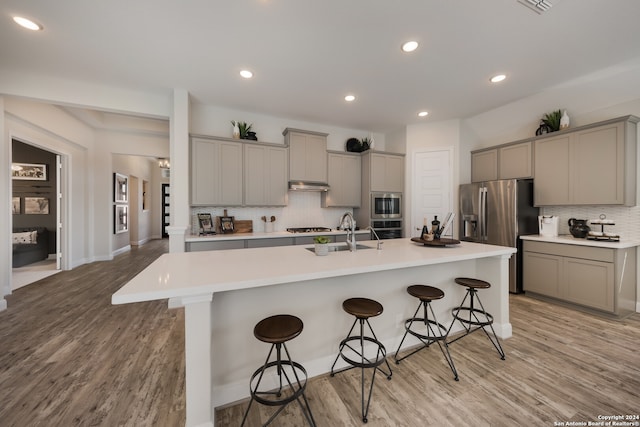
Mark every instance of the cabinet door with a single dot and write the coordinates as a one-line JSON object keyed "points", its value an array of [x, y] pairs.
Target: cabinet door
{"points": [[515, 161], [216, 173], [589, 283], [344, 181], [307, 157], [484, 166], [230, 174], [204, 188], [387, 173], [551, 171], [542, 274], [597, 160], [265, 175]]}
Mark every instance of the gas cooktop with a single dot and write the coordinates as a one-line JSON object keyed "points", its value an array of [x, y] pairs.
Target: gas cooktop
{"points": [[308, 229]]}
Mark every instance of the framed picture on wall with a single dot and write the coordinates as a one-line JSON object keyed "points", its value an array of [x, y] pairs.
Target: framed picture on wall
{"points": [[120, 219], [120, 188], [15, 205], [29, 171], [36, 206]]}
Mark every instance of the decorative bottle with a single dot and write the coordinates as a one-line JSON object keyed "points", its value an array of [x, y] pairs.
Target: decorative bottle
{"points": [[236, 131], [564, 120], [425, 230], [435, 225]]}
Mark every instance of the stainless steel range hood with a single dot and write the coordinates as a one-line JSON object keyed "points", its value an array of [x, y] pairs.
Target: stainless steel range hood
{"points": [[308, 186]]}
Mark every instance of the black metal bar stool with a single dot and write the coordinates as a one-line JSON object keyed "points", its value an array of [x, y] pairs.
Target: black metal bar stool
{"points": [[432, 331], [468, 315], [276, 330], [362, 309]]}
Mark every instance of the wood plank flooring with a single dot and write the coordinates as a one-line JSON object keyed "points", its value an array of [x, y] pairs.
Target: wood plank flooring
{"points": [[68, 357]]}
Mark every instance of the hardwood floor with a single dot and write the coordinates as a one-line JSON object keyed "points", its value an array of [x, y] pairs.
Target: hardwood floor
{"points": [[68, 357]]}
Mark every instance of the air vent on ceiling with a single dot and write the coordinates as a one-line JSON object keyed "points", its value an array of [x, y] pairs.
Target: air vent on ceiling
{"points": [[538, 6]]}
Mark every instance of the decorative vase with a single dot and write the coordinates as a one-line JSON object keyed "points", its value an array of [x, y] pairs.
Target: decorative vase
{"points": [[236, 131], [564, 120], [321, 249]]}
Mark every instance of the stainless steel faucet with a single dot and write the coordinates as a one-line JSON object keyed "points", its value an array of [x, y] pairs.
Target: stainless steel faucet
{"points": [[378, 238], [349, 224]]}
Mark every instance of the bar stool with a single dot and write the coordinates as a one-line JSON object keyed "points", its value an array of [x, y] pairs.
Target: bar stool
{"points": [[472, 320], [433, 331], [276, 330], [362, 309]]}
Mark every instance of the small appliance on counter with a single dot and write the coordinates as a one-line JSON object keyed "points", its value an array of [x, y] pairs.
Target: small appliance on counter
{"points": [[578, 228], [548, 225], [602, 235]]}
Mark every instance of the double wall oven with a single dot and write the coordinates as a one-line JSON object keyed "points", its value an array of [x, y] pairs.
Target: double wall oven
{"points": [[386, 215]]}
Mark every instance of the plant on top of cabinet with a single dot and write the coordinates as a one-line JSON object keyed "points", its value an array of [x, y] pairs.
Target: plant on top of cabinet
{"points": [[244, 130], [552, 120]]}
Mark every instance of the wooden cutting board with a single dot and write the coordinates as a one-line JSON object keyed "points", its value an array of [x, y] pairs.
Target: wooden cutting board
{"points": [[243, 226]]}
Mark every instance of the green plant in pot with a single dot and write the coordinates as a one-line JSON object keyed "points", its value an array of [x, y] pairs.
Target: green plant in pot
{"points": [[321, 245], [243, 127], [552, 120]]}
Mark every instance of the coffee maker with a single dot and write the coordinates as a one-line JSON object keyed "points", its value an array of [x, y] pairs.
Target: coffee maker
{"points": [[548, 225]]}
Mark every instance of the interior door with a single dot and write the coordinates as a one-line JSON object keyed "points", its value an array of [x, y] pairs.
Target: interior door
{"points": [[431, 188]]}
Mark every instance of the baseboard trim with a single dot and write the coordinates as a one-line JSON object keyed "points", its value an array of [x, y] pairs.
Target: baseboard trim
{"points": [[121, 250], [3, 304]]}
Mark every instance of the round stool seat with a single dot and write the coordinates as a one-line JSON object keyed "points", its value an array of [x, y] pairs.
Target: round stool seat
{"points": [[472, 283], [278, 329], [425, 292], [362, 308]]}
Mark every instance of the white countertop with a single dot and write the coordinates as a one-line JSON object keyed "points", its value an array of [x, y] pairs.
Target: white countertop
{"points": [[261, 235], [568, 239], [199, 273]]}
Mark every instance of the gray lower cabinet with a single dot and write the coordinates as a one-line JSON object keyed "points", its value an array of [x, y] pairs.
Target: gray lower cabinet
{"points": [[268, 243], [214, 246], [594, 277]]}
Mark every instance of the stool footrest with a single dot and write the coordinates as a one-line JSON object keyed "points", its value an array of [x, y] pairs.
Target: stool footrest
{"points": [[296, 392], [442, 329], [455, 312], [381, 353]]}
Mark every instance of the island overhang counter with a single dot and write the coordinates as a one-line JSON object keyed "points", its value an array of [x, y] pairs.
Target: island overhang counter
{"points": [[225, 293]]}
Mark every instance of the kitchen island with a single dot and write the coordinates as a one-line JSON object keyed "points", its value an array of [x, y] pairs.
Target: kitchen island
{"points": [[225, 293]]}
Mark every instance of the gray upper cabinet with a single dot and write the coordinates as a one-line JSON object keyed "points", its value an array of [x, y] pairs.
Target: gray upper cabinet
{"points": [[591, 165], [515, 161], [216, 172], [383, 172], [484, 165], [307, 155], [345, 184], [503, 162], [265, 175]]}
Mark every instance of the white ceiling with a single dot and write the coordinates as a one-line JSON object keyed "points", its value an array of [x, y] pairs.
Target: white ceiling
{"points": [[308, 54]]}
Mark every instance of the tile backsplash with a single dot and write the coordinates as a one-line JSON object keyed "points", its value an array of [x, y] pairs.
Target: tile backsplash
{"points": [[627, 219], [304, 210]]}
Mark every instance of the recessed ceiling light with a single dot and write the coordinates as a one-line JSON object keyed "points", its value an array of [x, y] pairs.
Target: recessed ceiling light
{"points": [[349, 98], [423, 114], [410, 46], [27, 23], [246, 74], [498, 78]]}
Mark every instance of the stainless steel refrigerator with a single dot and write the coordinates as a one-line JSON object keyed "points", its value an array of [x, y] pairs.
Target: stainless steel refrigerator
{"points": [[497, 213]]}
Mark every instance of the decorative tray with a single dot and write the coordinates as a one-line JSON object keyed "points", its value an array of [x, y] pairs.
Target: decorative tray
{"points": [[436, 242]]}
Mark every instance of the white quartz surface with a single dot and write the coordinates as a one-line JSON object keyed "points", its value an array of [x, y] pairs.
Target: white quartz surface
{"points": [[192, 274], [261, 235], [568, 239]]}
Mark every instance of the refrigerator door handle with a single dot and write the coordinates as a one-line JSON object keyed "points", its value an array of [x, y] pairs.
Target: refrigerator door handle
{"points": [[483, 214]]}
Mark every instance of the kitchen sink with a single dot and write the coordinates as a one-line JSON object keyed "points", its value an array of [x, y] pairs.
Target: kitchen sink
{"points": [[341, 247]]}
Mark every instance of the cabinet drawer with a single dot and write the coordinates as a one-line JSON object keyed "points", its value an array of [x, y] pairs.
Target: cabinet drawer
{"points": [[214, 246], [267, 243], [573, 251]]}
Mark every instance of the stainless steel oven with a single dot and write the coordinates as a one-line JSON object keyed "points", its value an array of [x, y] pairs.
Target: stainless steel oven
{"points": [[386, 205], [387, 229]]}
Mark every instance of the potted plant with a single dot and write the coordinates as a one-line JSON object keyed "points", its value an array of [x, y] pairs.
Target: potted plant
{"points": [[322, 245], [244, 129], [552, 120]]}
